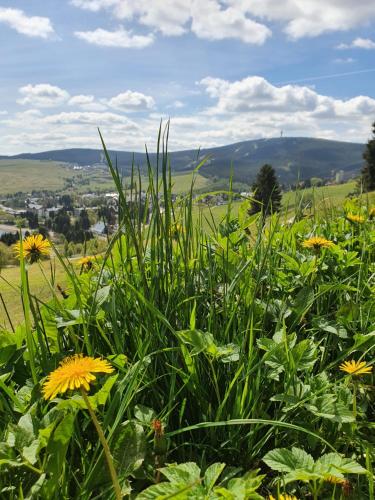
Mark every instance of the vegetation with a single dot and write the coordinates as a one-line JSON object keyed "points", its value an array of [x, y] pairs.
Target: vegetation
{"points": [[242, 358], [368, 171], [267, 193]]}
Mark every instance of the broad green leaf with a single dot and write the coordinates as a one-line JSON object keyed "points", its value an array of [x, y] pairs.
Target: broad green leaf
{"points": [[188, 472], [144, 414], [212, 474], [201, 341], [284, 460], [164, 491]]}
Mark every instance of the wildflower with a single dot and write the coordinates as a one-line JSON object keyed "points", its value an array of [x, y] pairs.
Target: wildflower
{"points": [[335, 480], [87, 262], [372, 213], [357, 219], [284, 496], [355, 367], [34, 248], [316, 242], [74, 372]]}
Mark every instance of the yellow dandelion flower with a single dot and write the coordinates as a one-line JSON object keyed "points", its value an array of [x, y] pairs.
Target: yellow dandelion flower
{"points": [[316, 242], [357, 219], [74, 372], [87, 262], [355, 367], [284, 496], [335, 479], [372, 213], [34, 248]]}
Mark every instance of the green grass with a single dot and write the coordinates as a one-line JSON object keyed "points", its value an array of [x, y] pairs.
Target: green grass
{"points": [[226, 348], [26, 175], [9, 288]]}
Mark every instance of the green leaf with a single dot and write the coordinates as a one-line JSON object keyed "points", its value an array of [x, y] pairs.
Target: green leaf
{"points": [[164, 491], [100, 397], [188, 472], [201, 341], [144, 414], [212, 474], [284, 460], [128, 446], [58, 445], [331, 462]]}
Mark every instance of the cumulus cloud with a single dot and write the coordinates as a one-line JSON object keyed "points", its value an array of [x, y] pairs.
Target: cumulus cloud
{"points": [[131, 101], [42, 95], [33, 26], [358, 43], [120, 38], [233, 111], [242, 19], [309, 18], [87, 103], [211, 22], [207, 19]]}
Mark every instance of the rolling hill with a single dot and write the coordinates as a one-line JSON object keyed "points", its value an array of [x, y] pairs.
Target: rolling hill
{"points": [[292, 157]]}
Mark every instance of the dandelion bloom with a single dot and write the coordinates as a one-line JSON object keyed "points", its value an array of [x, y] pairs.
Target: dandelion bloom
{"points": [[34, 248], [355, 367], [87, 262], [74, 372], [316, 242], [372, 213], [357, 219], [335, 480], [284, 496]]}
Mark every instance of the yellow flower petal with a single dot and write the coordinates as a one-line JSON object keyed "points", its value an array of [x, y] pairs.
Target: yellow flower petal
{"points": [[74, 372]]}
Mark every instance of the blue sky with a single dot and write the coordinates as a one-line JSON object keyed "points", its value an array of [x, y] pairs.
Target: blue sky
{"points": [[222, 70]]}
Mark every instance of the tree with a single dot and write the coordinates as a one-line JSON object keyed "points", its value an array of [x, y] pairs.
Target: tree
{"points": [[367, 180], [267, 193]]}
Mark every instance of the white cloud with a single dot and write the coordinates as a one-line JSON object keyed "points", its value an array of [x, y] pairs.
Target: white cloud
{"points": [[131, 101], [87, 103], [33, 26], [42, 95], [358, 43], [213, 23], [234, 111], [120, 38], [309, 18], [239, 18], [172, 17]]}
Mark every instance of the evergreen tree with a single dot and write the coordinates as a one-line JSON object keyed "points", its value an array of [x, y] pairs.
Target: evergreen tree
{"points": [[367, 179], [267, 193]]}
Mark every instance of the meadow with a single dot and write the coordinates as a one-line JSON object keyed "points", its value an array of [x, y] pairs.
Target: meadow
{"points": [[229, 363]]}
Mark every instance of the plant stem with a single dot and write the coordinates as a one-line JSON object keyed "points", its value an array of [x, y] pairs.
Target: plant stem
{"points": [[26, 309], [107, 452]]}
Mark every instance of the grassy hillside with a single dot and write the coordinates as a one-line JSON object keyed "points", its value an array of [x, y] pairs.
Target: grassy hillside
{"points": [[26, 175], [293, 158]]}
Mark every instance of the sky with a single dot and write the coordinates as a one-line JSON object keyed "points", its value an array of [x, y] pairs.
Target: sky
{"points": [[222, 71]]}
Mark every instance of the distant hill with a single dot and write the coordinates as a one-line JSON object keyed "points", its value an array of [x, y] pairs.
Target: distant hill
{"points": [[292, 157]]}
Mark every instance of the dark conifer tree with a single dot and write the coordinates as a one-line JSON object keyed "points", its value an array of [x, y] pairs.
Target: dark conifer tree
{"points": [[367, 180], [267, 193]]}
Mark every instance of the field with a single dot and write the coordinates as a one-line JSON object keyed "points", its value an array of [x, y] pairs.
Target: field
{"points": [[229, 363], [27, 175], [10, 281]]}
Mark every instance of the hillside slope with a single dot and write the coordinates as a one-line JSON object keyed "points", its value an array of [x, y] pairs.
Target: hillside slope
{"points": [[293, 157]]}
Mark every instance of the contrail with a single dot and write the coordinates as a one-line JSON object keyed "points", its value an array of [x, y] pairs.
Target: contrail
{"points": [[326, 77]]}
